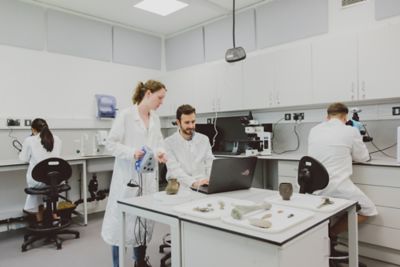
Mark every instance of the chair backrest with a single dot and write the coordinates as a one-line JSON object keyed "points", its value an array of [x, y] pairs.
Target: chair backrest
{"points": [[312, 175], [52, 171]]}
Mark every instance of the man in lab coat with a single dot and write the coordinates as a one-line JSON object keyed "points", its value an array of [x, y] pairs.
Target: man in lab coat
{"points": [[336, 146], [189, 153]]}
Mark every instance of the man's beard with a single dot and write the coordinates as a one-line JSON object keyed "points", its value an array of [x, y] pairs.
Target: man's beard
{"points": [[188, 132]]}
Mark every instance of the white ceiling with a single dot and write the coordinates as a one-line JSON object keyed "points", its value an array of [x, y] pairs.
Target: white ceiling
{"points": [[123, 12]]}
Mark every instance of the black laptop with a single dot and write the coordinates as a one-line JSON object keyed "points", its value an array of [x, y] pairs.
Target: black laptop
{"points": [[230, 174]]}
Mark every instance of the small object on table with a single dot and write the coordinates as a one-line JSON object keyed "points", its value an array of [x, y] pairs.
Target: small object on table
{"points": [[260, 223], [172, 186], [325, 201]]}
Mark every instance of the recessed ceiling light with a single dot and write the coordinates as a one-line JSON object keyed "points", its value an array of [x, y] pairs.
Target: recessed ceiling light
{"points": [[161, 7]]}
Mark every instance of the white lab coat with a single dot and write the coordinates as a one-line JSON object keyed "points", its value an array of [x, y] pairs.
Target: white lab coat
{"points": [[188, 160], [34, 152], [336, 145], [127, 135]]}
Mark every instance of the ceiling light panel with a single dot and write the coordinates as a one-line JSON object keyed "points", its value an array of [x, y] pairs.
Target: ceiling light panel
{"points": [[161, 7]]}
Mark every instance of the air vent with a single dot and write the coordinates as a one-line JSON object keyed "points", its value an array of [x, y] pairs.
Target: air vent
{"points": [[346, 3]]}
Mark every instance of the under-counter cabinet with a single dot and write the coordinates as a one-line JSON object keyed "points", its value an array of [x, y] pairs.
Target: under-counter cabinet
{"points": [[379, 236], [287, 173], [205, 246]]}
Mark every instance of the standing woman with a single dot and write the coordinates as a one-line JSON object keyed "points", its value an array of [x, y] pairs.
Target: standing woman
{"points": [[41, 145], [133, 128]]}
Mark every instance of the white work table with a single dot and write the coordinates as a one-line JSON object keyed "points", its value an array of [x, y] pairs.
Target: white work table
{"points": [[16, 164], [193, 237]]}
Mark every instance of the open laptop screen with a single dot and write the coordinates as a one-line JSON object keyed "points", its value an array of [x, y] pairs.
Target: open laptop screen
{"points": [[230, 174]]}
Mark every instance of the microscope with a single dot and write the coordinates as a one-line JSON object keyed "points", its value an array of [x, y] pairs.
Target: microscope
{"points": [[355, 122], [259, 136]]}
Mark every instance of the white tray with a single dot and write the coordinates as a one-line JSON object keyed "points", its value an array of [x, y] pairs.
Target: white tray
{"points": [[212, 202], [310, 202], [182, 195], [282, 218]]}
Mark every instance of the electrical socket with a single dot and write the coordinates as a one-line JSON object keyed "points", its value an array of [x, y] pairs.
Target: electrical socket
{"points": [[27, 122], [395, 111], [13, 122], [298, 116], [288, 116]]}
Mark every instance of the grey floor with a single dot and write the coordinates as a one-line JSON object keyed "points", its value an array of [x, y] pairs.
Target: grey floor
{"points": [[88, 250]]}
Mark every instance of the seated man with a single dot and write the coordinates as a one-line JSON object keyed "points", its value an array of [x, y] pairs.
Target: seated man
{"points": [[189, 153], [336, 145]]}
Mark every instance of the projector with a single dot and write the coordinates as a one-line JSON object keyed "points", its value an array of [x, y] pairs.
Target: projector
{"points": [[235, 54]]}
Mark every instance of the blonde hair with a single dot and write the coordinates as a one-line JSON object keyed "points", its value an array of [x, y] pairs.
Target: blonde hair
{"points": [[141, 89]]}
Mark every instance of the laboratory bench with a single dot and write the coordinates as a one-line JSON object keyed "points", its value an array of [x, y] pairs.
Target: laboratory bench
{"points": [[378, 178], [211, 241], [86, 164]]}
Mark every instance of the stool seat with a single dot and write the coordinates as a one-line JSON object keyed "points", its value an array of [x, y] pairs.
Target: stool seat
{"points": [[46, 189]]}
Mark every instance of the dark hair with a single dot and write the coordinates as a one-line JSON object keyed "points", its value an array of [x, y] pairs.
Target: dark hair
{"points": [[337, 108], [47, 139], [184, 109], [142, 88]]}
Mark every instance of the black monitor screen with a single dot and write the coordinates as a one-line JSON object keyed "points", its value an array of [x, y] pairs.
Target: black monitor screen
{"points": [[231, 129]]}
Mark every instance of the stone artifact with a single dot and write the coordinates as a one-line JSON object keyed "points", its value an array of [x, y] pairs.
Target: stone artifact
{"points": [[172, 186]]}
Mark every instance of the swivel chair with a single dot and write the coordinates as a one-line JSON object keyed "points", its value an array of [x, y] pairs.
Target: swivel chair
{"points": [[162, 174], [52, 172], [312, 176]]}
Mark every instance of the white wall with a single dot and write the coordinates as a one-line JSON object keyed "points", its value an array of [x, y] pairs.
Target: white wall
{"points": [[39, 83]]}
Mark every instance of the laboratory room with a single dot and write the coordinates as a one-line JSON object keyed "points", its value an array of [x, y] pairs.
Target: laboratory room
{"points": [[188, 133]]}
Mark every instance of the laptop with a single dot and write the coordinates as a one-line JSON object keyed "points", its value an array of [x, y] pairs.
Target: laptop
{"points": [[229, 174]]}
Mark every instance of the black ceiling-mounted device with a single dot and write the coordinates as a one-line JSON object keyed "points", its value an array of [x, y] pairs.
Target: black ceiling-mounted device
{"points": [[236, 53]]}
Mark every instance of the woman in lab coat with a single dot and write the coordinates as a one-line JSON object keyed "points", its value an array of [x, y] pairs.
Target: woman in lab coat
{"points": [[134, 127], [41, 145]]}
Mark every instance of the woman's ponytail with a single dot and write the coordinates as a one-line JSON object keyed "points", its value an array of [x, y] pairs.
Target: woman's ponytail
{"points": [[47, 139]]}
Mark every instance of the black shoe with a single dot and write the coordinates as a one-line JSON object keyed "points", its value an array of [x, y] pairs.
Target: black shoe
{"points": [[143, 263]]}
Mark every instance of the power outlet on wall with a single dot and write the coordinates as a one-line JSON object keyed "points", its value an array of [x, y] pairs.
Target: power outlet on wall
{"points": [[13, 122], [288, 116], [395, 111], [298, 116]]}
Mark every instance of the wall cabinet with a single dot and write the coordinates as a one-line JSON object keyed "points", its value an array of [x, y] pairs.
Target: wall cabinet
{"points": [[334, 62], [293, 76], [179, 85], [351, 68], [258, 81], [379, 62]]}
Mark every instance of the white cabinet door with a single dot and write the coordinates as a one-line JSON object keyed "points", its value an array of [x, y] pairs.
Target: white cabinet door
{"points": [[293, 76], [258, 81], [204, 87], [179, 85], [379, 63], [334, 62], [230, 86]]}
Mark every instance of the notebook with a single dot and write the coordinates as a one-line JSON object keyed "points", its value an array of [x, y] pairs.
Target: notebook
{"points": [[229, 174]]}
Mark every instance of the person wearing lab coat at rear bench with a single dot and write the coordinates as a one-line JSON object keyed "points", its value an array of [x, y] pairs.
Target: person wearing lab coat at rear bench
{"points": [[134, 127], [336, 145], [41, 145]]}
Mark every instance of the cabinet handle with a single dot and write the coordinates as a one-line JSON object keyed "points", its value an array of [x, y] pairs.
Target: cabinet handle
{"points": [[363, 89], [352, 91]]}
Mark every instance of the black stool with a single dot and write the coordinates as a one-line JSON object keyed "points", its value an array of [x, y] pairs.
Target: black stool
{"points": [[52, 172]]}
